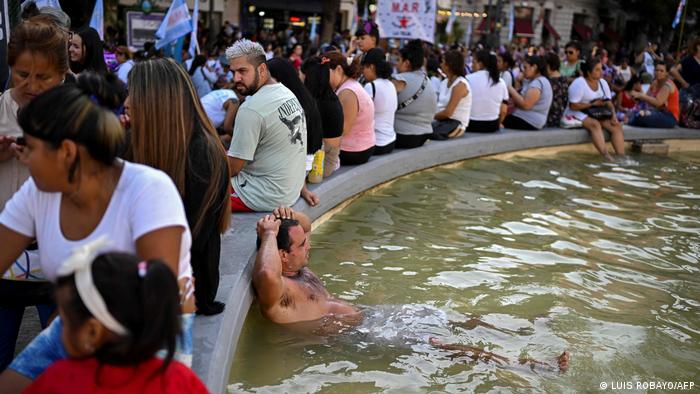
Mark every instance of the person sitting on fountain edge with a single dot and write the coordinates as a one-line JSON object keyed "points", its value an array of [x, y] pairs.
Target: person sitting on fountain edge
{"points": [[267, 156]]}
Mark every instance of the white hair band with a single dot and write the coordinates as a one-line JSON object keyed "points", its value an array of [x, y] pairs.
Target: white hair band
{"points": [[80, 265]]}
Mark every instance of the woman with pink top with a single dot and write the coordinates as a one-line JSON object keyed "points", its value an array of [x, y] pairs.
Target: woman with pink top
{"points": [[357, 142]]}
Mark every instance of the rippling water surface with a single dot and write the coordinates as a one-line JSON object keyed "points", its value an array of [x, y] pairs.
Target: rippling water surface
{"points": [[557, 253]]}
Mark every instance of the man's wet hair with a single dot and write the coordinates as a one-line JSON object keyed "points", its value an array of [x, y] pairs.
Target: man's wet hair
{"points": [[283, 240]]}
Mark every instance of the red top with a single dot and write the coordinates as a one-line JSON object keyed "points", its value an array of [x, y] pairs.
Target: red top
{"points": [[672, 103], [627, 101], [79, 376]]}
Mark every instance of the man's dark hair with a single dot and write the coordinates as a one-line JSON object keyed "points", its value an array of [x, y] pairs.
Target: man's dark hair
{"points": [[283, 240]]}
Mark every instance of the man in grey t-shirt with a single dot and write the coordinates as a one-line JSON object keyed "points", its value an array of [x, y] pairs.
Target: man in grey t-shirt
{"points": [[267, 155]]}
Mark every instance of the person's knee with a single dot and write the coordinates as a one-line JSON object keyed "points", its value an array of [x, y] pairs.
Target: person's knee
{"points": [[592, 125]]}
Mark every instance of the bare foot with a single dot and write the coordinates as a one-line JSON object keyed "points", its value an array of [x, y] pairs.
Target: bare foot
{"points": [[310, 197], [563, 361]]}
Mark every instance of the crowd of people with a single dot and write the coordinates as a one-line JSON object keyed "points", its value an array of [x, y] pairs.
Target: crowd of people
{"points": [[117, 181]]}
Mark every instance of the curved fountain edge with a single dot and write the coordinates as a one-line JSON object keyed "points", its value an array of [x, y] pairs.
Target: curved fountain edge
{"points": [[215, 337]]}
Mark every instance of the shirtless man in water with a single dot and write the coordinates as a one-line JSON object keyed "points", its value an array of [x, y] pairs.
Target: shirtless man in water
{"points": [[287, 290]]}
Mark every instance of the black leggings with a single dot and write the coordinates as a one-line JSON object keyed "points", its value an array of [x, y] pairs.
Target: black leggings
{"points": [[404, 141], [513, 122], [383, 150], [355, 158], [483, 126]]}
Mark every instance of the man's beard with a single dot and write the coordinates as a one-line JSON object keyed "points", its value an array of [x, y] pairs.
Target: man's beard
{"points": [[248, 90]]}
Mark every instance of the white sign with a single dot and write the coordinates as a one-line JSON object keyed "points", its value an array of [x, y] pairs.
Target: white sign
{"points": [[407, 19]]}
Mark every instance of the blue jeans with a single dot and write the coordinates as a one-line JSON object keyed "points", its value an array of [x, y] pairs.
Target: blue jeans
{"points": [[10, 322], [48, 348], [656, 119]]}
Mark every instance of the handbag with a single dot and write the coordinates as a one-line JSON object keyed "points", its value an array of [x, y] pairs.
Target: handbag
{"points": [[600, 112]]}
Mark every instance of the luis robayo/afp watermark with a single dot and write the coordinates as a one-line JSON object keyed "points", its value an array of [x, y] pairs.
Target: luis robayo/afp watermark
{"points": [[647, 385]]}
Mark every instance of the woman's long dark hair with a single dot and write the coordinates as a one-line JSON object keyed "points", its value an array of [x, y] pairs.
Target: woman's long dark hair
{"points": [[197, 62], [93, 54], [165, 115], [147, 306], [316, 79], [283, 71], [490, 64]]}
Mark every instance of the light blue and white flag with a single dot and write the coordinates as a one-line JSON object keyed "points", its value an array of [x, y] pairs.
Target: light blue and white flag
{"points": [[679, 12], [451, 19], [314, 28], [177, 23], [194, 44], [42, 3], [97, 21], [511, 22]]}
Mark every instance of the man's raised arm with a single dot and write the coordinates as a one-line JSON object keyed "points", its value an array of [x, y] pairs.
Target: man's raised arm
{"points": [[267, 272]]}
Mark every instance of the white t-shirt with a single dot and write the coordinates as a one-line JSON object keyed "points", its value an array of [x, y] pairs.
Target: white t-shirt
{"points": [[213, 104], [626, 73], [385, 103], [486, 96], [144, 200], [580, 92], [464, 106]]}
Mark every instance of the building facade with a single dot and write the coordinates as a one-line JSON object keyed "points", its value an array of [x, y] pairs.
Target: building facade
{"points": [[533, 22]]}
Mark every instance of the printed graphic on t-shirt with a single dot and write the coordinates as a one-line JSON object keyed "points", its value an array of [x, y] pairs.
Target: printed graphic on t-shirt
{"points": [[292, 115]]}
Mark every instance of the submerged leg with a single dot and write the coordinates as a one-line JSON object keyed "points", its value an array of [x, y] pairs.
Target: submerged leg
{"points": [[475, 322], [562, 363], [474, 353]]}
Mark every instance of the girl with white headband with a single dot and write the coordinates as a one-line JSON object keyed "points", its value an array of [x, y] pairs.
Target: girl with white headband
{"points": [[79, 191], [117, 312]]}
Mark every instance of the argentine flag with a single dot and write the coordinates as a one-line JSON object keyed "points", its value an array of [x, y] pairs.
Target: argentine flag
{"points": [[177, 23], [97, 21], [194, 45], [677, 19]]}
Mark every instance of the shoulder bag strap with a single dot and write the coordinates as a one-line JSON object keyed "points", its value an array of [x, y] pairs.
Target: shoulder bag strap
{"points": [[374, 90], [415, 96], [602, 89]]}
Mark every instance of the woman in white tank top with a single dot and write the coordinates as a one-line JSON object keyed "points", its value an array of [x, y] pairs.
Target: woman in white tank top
{"points": [[454, 100]]}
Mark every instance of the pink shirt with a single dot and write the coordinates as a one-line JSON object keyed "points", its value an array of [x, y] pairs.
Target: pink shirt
{"points": [[361, 135]]}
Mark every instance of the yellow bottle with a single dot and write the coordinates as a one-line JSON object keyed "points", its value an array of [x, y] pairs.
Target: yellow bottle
{"points": [[316, 173]]}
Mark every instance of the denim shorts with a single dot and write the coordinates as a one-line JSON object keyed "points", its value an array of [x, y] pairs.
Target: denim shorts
{"points": [[48, 348]]}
